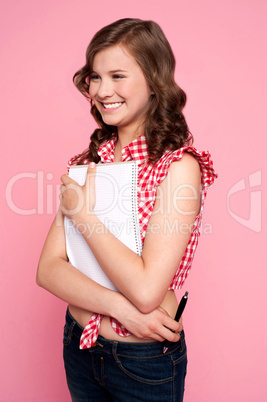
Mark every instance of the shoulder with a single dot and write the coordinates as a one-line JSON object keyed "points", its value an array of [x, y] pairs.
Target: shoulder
{"points": [[186, 162], [186, 169], [189, 161], [185, 173]]}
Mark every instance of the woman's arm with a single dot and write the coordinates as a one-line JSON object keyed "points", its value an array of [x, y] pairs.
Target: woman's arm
{"points": [[143, 280], [59, 277]]}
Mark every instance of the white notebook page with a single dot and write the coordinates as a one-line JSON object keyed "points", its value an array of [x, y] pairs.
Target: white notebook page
{"points": [[116, 207]]}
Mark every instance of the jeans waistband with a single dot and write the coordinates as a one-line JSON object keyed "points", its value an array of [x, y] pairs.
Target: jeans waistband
{"points": [[125, 348]]}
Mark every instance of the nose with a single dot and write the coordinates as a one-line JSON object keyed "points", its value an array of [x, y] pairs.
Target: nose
{"points": [[105, 88]]}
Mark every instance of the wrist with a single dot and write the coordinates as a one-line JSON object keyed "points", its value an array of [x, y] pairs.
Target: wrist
{"points": [[84, 221], [121, 307]]}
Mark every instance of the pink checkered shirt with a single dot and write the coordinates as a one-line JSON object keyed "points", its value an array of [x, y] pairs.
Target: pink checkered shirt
{"points": [[149, 178]]}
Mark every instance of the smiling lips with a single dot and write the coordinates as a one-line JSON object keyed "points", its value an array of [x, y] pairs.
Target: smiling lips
{"points": [[112, 105]]}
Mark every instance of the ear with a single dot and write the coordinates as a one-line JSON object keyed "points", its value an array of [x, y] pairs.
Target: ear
{"points": [[151, 91]]}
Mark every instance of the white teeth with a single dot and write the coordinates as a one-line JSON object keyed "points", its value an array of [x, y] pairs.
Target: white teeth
{"points": [[112, 105]]}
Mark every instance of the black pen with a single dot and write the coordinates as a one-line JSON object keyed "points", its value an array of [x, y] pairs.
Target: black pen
{"points": [[179, 312]]}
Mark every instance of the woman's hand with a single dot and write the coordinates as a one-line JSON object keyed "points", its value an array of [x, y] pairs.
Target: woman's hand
{"points": [[157, 325], [78, 201]]}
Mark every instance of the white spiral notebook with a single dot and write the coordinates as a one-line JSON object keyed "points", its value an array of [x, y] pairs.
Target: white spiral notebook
{"points": [[116, 207]]}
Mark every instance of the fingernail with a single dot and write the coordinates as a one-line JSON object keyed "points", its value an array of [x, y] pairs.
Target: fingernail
{"points": [[91, 165]]}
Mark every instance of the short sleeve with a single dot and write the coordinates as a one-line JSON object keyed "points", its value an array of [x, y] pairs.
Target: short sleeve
{"points": [[72, 162], [77, 160], [208, 174]]}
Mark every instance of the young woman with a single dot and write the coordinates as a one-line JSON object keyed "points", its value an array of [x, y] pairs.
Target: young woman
{"points": [[113, 340]]}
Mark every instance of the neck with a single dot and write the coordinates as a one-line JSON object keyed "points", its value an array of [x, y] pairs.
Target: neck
{"points": [[123, 141], [126, 136]]}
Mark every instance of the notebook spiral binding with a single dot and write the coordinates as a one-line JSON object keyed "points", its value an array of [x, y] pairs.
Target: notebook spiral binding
{"points": [[135, 209]]}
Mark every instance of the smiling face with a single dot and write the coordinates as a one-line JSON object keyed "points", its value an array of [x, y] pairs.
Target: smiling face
{"points": [[119, 90]]}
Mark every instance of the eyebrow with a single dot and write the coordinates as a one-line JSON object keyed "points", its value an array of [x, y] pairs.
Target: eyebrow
{"points": [[114, 71], [118, 71]]}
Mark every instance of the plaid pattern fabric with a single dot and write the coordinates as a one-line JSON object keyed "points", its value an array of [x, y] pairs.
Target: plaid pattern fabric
{"points": [[90, 332], [149, 178]]}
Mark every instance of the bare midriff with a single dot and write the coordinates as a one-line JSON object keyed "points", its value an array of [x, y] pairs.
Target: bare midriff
{"points": [[82, 317]]}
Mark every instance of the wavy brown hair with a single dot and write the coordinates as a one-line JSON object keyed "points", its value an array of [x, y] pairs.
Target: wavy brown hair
{"points": [[165, 127]]}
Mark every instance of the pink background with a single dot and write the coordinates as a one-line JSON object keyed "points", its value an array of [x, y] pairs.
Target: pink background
{"points": [[221, 64]]}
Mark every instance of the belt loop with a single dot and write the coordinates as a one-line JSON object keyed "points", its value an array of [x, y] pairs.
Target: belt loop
{"points": [[71, 329], [114, 350]]}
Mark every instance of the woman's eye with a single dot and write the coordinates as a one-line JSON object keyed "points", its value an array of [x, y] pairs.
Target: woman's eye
{"points": [[94, 77], [117, 76]]}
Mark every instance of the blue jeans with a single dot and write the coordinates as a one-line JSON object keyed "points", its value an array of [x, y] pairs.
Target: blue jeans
{"points": [[122, 371]]}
